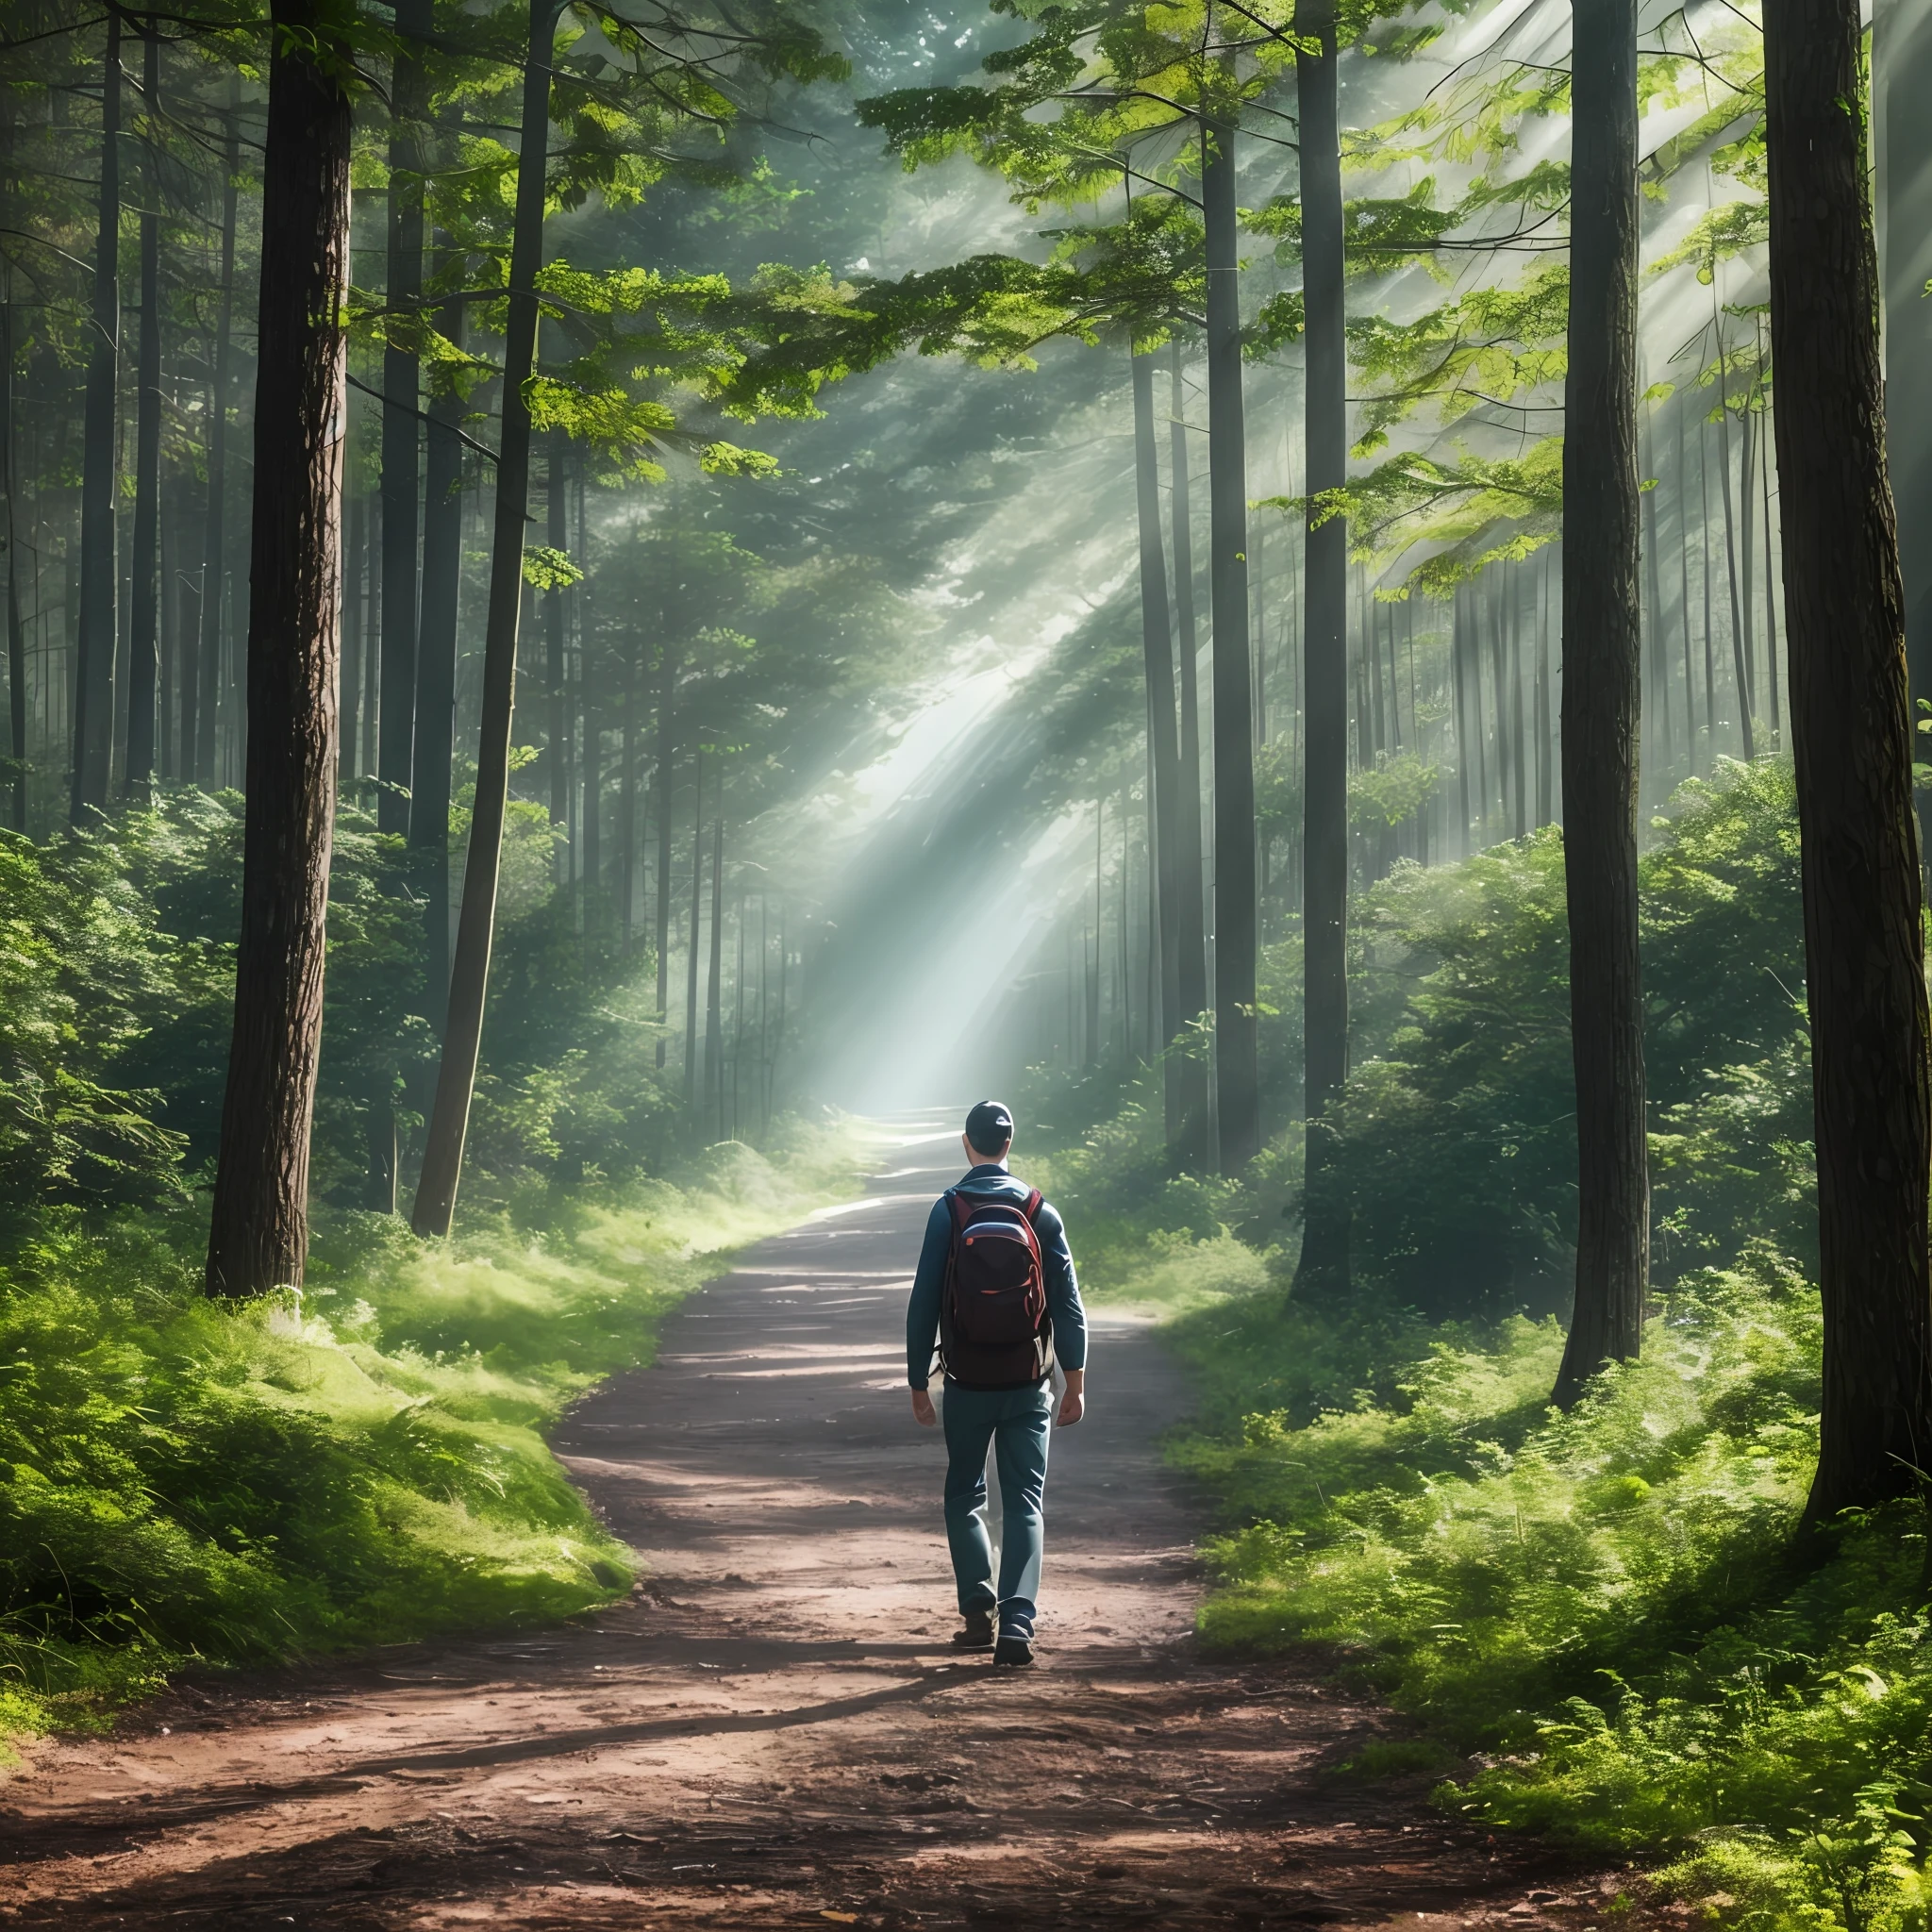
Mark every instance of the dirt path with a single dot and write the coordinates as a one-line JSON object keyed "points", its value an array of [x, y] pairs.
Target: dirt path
{"points": [[773, 1730]]}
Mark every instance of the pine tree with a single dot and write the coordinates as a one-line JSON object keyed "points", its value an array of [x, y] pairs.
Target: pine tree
{"points": [[1601, 683], [1852, 736], [258, 1230]]}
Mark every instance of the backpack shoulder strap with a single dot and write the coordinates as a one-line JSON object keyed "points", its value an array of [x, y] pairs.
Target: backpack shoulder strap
{"points": [[1035, 1201], [961, 1213]]}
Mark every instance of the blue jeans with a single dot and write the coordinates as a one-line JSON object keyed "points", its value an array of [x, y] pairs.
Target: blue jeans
{"points": [[1016, 1423]]}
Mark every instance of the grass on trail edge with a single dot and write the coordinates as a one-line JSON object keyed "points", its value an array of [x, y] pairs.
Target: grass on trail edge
{"points": [[1599, 1607], [196, 1482]]}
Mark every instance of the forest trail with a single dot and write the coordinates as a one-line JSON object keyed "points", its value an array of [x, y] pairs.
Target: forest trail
{"points": [[773, 1730]]}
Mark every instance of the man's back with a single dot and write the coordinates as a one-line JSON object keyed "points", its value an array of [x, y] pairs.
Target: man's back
{"points": [[1010, 1411], [1067, 1318]]}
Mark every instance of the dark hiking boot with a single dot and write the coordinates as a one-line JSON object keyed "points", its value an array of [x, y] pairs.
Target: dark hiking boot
{"points": [[1015, 1653], [977, 1634]]}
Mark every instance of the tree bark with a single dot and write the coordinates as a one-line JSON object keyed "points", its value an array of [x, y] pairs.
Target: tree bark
{"points": [[350, 681], [691, 961], [1659, 656], [1602, 668], [627, 804], [436, 675], [258, 1233], [714, 1042], [1545, 750], [1190, 971], [1156, 646], [1458, 687], [144, 668], [1768, 447], [1683, 508], [557, 537], [1238, 1083], [667, 756], [591, 810], [1518, 747], [468, 990], [17, 698], [214, 541], [1741, 652], [1852, 736], [402, 474], [1901, 67], [1324, 1260], [93, 675]]}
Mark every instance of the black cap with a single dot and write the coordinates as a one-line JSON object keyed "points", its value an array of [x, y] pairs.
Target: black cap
{"points": [[989, 1126]]}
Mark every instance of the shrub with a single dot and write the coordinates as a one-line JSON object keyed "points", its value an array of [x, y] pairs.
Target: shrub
{"points": [[364, 1462], [1457, 1149]]}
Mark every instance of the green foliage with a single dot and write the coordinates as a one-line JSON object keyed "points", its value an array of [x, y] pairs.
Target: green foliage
{"points": [[76, 976], [1601, 1604], [363, 1464], [1398, 786], [1455, 1137]]}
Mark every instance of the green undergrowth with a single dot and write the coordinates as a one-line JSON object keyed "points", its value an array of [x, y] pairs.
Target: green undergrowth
{"points": [[361, 1464], [1605, 1612], [1603, 1607]]}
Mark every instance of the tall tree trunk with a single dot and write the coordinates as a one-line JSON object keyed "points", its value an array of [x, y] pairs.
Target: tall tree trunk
{"points": [[258, 1232], [1683, 492], [1235, 913], [1770, 643], [1458, 683], [1519, 750], [17, 690], [167, 628], [144, 613], [349, 704], [214, 541], [557, 537], [401, 435], [1747, 542], [714, 1042], [1741, 657], [691, 959], [1324, 1262], [1852, 735], [1659, 658], [469, 988], [1544, 750], [1709, 625], [667, 758], [436, 675], [93, 678], [1901, 68], [17, 698], [188, 677], [1190, 971], [1093, 1039], [1603, 674], [627, 805], [592, 808], [1156, 648]]}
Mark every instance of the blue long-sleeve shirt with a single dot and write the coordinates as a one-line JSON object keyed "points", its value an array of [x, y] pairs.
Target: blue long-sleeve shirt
{"points": [[1064, 1306]]}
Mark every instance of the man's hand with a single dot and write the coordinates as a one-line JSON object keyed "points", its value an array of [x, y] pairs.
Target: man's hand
{"points": [[1073, 1403], [924, 1413]]}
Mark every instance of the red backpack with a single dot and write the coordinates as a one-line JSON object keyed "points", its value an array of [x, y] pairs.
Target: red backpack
{"points": [[995, 1332]]}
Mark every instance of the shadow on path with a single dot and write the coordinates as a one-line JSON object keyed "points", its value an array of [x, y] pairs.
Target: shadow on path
{"points": [[774, 1728]]}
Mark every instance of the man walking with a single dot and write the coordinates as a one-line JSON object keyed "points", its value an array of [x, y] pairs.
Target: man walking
{"points": [[995, 1294]]}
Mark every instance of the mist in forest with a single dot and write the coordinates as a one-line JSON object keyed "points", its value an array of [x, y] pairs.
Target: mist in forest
{"points": [[990, 759], [613, 609]]}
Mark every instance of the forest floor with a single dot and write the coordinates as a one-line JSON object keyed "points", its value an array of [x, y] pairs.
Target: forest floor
{"points": [[773, 1730]]}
